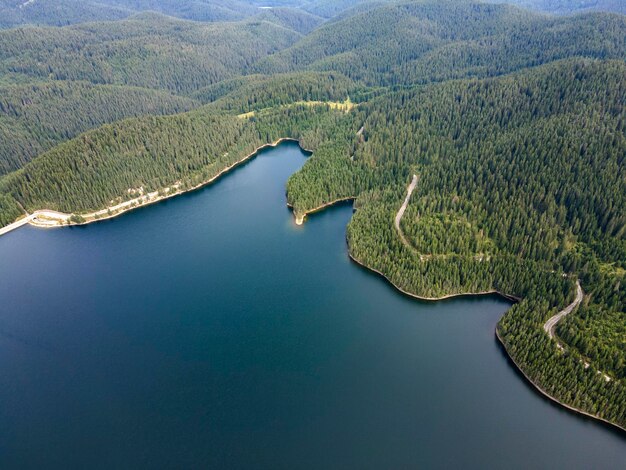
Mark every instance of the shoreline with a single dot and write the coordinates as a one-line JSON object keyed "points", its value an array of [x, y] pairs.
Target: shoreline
{"points": [[550, 397], [56, 219], [511, 298], [60, 219], [300, 218], [508, 297]]}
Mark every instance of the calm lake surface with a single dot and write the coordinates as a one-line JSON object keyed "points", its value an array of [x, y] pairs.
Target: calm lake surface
{"points": [[210, 331]]}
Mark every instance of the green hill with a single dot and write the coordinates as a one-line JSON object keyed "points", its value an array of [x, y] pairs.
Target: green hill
{"points": [[150, 51], [420, 42], [256, 92], [67, 12], [63, 81], [291, 18], [33, 118], [565, 7], [57, 12]]}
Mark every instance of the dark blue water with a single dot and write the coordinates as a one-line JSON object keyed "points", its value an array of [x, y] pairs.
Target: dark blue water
{"points": [[209, 331]]}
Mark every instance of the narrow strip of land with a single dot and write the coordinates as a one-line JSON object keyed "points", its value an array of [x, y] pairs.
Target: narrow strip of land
{"points": [[300, 217], [402, 209]]}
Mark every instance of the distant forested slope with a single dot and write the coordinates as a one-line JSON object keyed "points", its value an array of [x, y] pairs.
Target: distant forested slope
{"points": [[198, 10], [66, 12], [256, 92], [149, 51], [420, 42], [374, 44], [46, 71], [291, 18], [57, 12], [565, 7], [58, 82]]}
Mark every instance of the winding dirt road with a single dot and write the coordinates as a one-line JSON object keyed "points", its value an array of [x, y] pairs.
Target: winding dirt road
{"points": [[550, 325], [400, 213]]}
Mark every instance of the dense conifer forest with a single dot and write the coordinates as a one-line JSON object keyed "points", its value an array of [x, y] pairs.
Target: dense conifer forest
{"points": [[513, 121], [421, 42], [562, 7], [303, 13], [150, 50], [67, 12], [33, 118]]}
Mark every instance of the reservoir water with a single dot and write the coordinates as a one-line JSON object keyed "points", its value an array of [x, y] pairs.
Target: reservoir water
{"points": [[209, 331]]}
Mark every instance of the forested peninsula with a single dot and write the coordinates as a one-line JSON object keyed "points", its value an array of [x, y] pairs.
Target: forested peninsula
{"points": [[513, 123]]}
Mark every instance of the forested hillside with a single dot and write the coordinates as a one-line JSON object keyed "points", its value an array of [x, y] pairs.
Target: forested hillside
{"points": [[197, 10], [381, 45], [56, 12], [66, 12], [420, 42], [111, 163], [566, 7], [514, 123], [33, 118], [548, 130], [291, 18], [257, 92], [149, 51], [59, 82], [522, 180]]}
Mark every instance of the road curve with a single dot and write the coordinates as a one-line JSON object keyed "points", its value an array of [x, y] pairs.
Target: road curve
{"points": [[550, 325], [400, 213], [16, 225], [42, 218]]}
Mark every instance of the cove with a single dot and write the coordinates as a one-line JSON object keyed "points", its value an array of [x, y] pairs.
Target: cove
{"points": [[210, 331]]}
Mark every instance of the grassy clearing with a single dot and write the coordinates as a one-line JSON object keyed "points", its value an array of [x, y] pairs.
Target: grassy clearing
{"points": [[612, 270], [345, 106]]}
